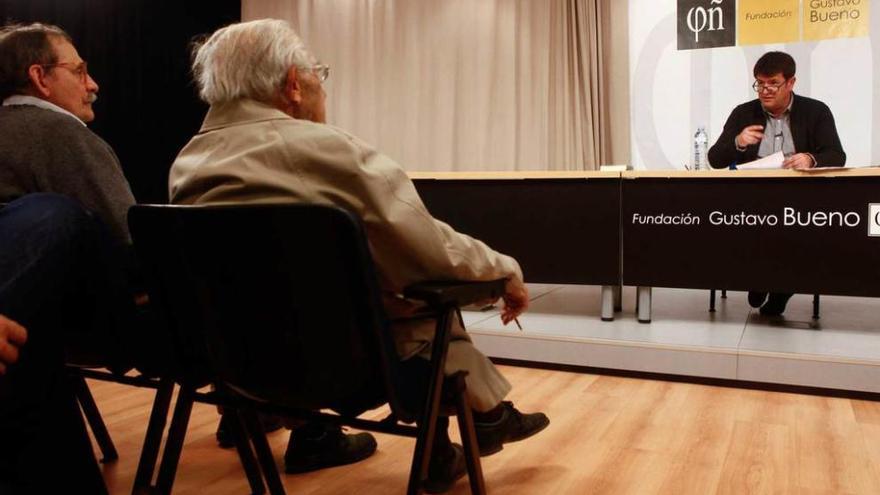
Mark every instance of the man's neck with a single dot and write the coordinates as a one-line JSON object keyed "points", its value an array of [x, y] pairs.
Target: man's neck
{"points": [[778, 113]]}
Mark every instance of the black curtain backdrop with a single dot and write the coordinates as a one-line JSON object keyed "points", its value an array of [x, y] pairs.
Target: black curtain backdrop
{"points": [[138, 52]]}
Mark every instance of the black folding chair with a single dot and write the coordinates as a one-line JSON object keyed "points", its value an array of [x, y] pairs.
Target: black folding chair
{"points": [[78, 372], [283, 303]]}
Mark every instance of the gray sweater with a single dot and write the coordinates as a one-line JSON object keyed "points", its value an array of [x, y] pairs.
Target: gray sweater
{"points": [[45, 151]]}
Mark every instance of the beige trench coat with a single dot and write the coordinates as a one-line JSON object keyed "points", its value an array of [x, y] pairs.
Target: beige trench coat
{"points": [[249, 152]]}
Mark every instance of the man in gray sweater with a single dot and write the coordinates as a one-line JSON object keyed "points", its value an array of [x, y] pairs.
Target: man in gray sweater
{"points": [[45, 146], [60, 268]]}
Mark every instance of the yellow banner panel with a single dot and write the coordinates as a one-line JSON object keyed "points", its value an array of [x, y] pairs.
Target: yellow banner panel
{"points": [[768, 21], [827, 19]]}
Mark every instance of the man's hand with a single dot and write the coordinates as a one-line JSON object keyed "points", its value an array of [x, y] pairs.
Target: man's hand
{"points": [[516, 299], [12, 336], [799, 161], [752, 134]]}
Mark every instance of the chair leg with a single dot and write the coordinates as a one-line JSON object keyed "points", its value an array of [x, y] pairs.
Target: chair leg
{"points": [[422, 455], [428, 422], [174, 442], [469, 437], [815, 306], [712, 301], [246, 454], [723, 293], [255, 431], [93, 418], [153, 437]]}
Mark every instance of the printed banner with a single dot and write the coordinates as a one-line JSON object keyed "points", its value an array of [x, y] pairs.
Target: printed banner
{"points": [[768, 21], [827, 19], [720, 23], [706, 23]]}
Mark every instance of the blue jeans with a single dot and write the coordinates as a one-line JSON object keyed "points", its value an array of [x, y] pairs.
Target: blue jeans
{"points": [[60, 278]]}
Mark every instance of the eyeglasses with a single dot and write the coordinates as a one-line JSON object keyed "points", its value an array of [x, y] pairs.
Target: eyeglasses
{"points": [[759, 86], [321, 71], [80, 70]]}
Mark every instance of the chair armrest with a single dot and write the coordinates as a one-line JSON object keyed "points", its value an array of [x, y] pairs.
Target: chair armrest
{"points": [[457, 293]]}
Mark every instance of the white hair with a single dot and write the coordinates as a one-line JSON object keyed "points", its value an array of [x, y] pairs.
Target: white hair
{"points": [[248, 60]]}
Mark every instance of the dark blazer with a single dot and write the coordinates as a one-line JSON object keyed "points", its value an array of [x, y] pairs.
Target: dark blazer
{"points": [[812, 129]]}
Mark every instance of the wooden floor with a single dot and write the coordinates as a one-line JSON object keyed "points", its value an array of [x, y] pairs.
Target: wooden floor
{"points": [[607, 435]]}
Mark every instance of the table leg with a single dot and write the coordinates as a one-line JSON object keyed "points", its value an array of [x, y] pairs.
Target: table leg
{"points": [[643, 294], [607, 303], [618, 297]]}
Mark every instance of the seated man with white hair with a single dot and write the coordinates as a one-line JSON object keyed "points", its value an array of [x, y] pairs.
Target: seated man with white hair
{"points": [[264, 140]]}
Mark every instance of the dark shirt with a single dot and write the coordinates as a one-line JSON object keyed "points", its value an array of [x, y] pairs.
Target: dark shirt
{"points": [[812, 129]]}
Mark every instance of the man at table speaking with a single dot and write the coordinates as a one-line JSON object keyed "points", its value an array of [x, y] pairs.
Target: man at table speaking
{"points": [[778, 120]]}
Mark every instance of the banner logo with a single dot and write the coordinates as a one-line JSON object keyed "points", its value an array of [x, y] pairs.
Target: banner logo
{"points": [[699, 17], [706, 24], [874, 219]]}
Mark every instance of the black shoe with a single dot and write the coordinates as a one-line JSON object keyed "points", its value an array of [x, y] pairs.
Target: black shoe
{"points": [[445, 469], [756, 299], [315, 446], [775, 304], [513, 426], [270, 423]]}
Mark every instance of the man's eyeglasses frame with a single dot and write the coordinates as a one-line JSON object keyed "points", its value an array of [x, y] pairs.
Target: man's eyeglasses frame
{"points": [[80, 70], [321, 71], [758, 86]]}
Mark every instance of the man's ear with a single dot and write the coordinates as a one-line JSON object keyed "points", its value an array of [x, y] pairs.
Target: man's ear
{"points": [[37, 75], [792, 81], [293, 87]]}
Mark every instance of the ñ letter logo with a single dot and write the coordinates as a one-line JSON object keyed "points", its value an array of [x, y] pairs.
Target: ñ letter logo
{"points": [[701, 19]]}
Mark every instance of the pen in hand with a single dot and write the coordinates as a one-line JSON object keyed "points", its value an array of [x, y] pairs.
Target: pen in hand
{"points": [[517, 324]]}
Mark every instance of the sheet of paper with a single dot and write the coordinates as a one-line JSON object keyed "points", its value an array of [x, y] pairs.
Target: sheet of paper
{"points": [[768, 162]]}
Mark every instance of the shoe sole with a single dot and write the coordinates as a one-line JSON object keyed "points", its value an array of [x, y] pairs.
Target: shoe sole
{"points": [[541, 428], [487, 453]]}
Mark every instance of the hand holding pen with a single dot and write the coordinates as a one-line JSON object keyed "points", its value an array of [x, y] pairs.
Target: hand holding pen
{"points": [[516, 301]]}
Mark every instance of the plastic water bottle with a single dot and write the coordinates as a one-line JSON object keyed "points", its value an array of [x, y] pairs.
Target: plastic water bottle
{"points": [[701, 149]]}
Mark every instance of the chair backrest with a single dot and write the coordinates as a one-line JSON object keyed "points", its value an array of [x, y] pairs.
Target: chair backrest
{"points": [[281, 300]]}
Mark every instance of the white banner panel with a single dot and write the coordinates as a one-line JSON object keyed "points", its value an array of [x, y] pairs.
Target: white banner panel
{"points": [[691, 64]]}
